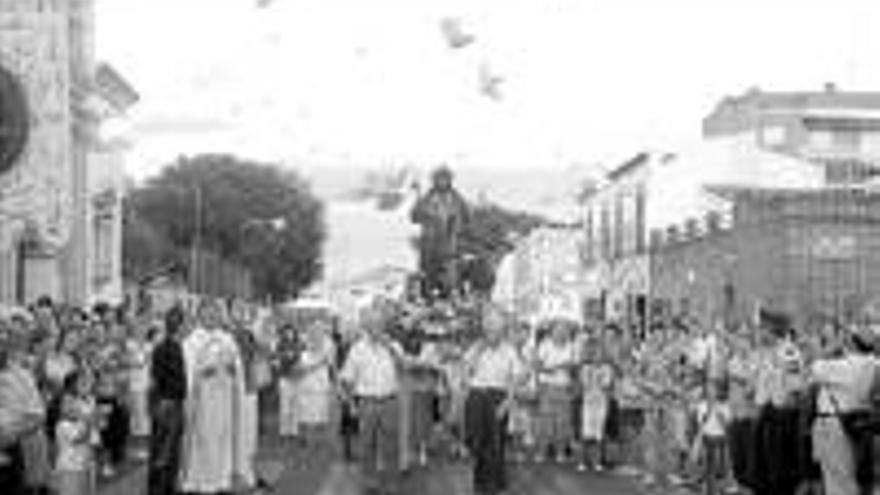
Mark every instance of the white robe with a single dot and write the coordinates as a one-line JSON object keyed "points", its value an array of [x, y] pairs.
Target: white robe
{"points": [[214, 454]]}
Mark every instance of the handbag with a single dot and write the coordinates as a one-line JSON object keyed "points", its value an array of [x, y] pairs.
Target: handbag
{"points": [[858, 423]]}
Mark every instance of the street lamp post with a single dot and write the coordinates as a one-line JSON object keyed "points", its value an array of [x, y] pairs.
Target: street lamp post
{"points": [[196, 244], [195, 254], [276, 224]]}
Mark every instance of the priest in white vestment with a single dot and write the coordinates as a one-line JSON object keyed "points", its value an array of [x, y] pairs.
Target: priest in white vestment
{"points": [[214, 455]]}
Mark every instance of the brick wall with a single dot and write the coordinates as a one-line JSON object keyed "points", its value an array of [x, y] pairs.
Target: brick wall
{"points": [[811, 256]]}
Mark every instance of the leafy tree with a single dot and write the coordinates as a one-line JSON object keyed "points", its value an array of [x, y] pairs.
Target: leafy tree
{"points": [[491, 230], [255, 214], [145, 247]]}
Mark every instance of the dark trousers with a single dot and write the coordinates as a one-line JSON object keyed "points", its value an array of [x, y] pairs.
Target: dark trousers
{"points": [[485, 433], [776, 457], [863, 452], [741, 437], [12, 474], [165, 443], [715, 449], [348, 429], [114, 437], [378, 439]]}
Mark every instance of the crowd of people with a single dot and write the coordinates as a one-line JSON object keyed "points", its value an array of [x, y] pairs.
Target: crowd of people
{"points": [[73, 396], [758, 407], [87, 393], [752, 408]]}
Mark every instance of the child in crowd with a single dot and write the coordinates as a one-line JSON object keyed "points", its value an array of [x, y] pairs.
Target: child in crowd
{"points": [[76, 437], [138, 348], [111, 374], [713, 417]]}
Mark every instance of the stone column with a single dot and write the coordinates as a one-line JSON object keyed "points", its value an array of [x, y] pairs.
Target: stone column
{"points": [[81, 35]]}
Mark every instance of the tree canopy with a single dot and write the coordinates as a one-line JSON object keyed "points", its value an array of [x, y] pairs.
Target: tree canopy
{"points": [[257, 215], [488, 236]]}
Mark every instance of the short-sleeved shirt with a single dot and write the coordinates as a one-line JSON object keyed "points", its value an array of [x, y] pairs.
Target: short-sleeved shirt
{"points": [[494, 367], [551, 355], [371, 368], [713, 418], [846, 383]]}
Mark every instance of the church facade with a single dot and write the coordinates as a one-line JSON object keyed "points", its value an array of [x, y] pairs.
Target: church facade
{"points": [[62, 185]]}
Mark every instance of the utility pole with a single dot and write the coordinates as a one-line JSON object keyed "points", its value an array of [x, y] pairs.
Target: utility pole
{"points": [[195, 254]]}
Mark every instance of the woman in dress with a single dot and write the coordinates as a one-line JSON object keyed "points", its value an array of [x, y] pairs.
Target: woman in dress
{"points": [[596, 375], [288, 353], [314, 388], [557, 358]]}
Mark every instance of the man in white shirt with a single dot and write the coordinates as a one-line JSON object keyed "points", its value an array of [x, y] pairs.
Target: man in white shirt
{"points": [[494, 372], [845, 386], [370, 373]]}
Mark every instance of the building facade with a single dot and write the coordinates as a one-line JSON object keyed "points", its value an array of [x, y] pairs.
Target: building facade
{"points": [[614, 254], [665, 199], [839, 130], [60, 200], [809, 253], [545, 266]]}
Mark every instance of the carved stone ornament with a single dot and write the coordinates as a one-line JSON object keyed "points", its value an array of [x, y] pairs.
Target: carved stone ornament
{"points": [[14, 120]]}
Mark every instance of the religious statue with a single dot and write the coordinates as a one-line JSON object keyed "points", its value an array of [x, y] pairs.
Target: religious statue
{"points": [[442, 214]]}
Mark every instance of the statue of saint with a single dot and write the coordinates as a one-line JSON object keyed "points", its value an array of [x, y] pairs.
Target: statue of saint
{"points": [[442, 214]]}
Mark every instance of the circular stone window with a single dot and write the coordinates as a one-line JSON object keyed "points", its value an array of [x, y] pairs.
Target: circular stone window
{"points": [[14, 122]]}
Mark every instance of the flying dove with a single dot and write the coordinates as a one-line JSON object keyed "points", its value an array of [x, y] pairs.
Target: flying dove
{"points": [[489, 83], [454, 34]]}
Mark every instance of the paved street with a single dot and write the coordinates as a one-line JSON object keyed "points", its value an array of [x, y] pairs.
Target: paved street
{"points": [[318, 471]]}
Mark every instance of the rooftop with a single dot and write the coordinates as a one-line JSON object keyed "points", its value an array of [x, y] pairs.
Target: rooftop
{"points": [[677, 188], [831, 97]]}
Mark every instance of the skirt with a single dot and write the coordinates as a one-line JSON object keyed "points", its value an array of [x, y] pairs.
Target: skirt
{"points": [[554, 415], [594, 417], [139, 412], [313, 407], [288, 422], [75, 482]]}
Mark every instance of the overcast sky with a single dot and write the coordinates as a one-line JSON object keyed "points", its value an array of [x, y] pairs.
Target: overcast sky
{"points": [[354, 82]]}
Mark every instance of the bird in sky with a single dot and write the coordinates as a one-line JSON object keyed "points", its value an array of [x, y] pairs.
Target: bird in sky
{"points": [[490, 83], [454, 34]]}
